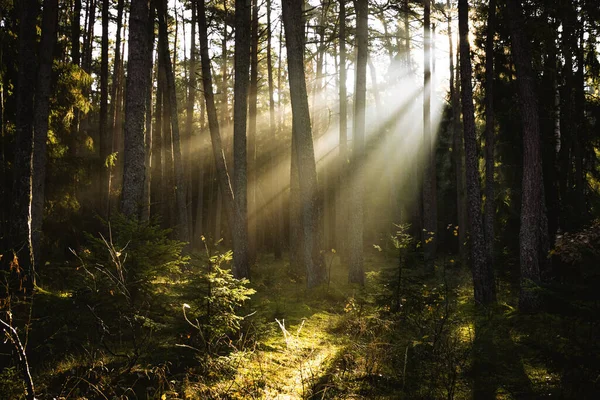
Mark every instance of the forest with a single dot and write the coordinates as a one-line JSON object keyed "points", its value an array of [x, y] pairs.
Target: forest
{"points": [[299, 199]]}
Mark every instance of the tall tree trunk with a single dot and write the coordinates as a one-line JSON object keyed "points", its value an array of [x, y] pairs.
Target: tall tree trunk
{"points": [[252, 113], [532, 201], [213, 119], [115, 100], [22, 165], [490, 205], [483, 274], [180, 182], [88, 44], [277, 202], [429, 238], [356, 244], [240, 110], [103, 131], [76, 32], [148, 137], [138, 80], [189, 123], [40, 130], [292, 13], [342, 216], [157, 143], [457, 145]]}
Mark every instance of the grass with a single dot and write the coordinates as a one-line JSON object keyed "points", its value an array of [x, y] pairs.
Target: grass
{"points": [[338, 341]]}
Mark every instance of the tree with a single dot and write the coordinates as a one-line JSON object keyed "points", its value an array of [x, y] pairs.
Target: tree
{"points": [[429, 199], [490, 207], [21, 192], [343, 149], [213, 119], [303, 143], [355, 245], [104, 132], [240, 164], [138, 80], [40, 130], [180, 182], [483, 276], [532, 201], [277, 212]]}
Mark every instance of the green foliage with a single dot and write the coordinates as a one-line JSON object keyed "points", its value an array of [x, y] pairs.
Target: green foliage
{"points": [[11, 384], [214, 313], [121, 275]]}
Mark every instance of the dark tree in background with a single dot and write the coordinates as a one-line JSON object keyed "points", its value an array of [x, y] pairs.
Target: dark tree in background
{"points": [[483, 275]]}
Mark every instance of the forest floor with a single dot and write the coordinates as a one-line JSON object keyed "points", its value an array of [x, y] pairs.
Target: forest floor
{"points": [[339, 341]]}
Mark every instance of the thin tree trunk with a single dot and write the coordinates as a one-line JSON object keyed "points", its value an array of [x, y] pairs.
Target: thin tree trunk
{"points": [[483, 275], [429, 238], [532, 188], [490, 205], [138, 80], [148, 136], [356, 244], [76, 32], [276, 208], [457, 146], [213, 119], [115, 99], [180, 183], [157, 144], [342, 216], [40, 135], [315, 268], [189, 123], [252, 114], [104, 133]]}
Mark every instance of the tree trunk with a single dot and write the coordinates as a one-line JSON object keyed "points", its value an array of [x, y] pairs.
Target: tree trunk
{"points": [[307, 170], [277, 206], [457, 147], [138, 80], [356, 244], [103, 131], [342, 216], [490, 205], [76, 32], [40, 131], [180, 183], [252, 113], [21, 194], [240, 110], [483, 275], [531, 201], [213, 119], [189, 123], [429, 232], [148, 137], [115, 100]]}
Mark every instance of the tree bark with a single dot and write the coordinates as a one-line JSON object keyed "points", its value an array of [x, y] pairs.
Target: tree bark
{"points": [[240, 111], [22, 165], [252, 114], [490, 205], [277, 202], [189, 123], [342, 216], [483, 275], [180, 182], [103, 132], [429, 231], [532, 201], [213, 119], [40, 131], [356, 244], [138, 79], [307, 171], [76, 33]]}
